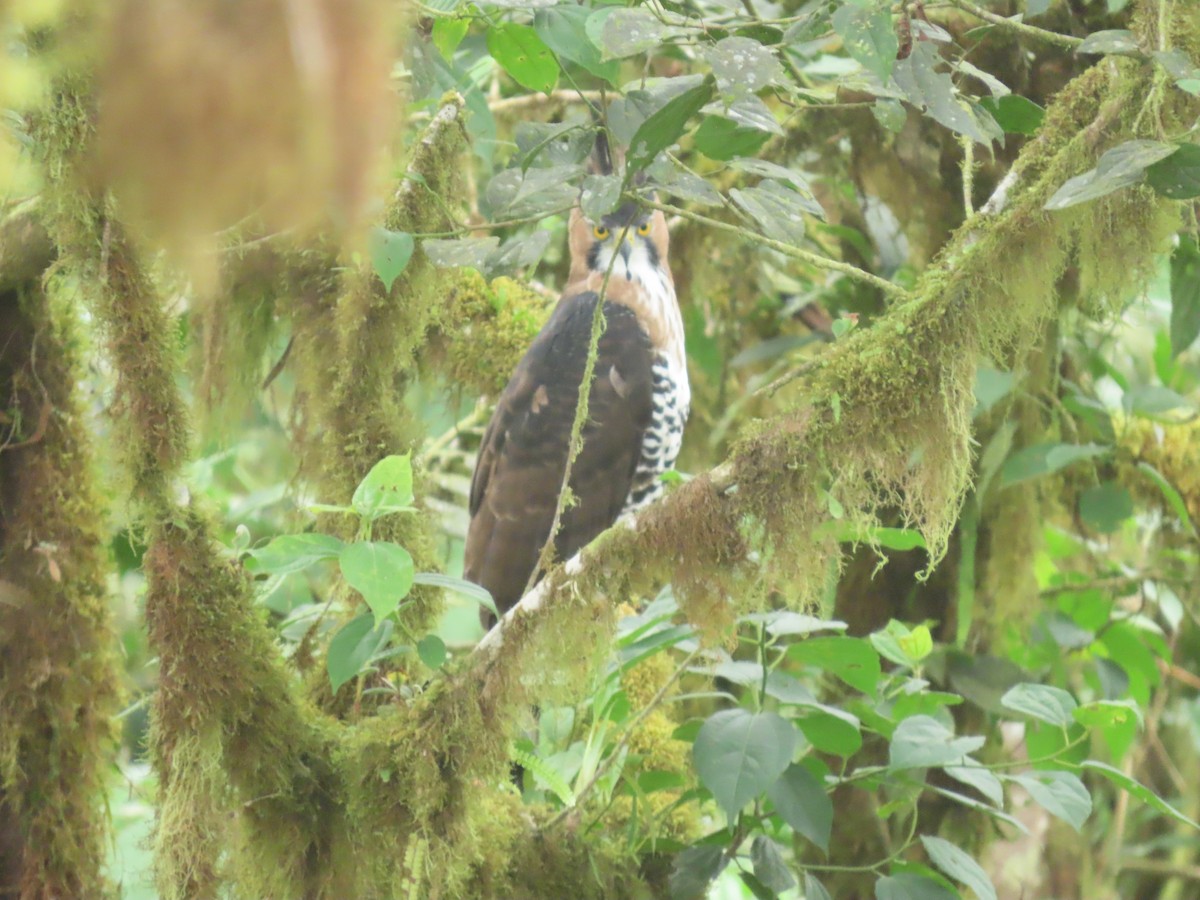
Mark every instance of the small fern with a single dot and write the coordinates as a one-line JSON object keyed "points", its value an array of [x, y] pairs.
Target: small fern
{"points": [[538, 767]]}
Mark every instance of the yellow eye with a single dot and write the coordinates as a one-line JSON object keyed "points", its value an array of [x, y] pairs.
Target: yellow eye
{"points": [[644, 228], [600, 232]]}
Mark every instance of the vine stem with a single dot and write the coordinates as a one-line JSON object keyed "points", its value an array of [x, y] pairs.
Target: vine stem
{"points": [[821, 262], [601, 769], [1066, 41]]}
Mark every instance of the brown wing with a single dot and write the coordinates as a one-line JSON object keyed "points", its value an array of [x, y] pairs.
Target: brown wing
{"points": [[521, 463]]}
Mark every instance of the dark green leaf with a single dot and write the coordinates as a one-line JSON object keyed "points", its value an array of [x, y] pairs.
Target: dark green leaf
{"points": [[748, 112], [960, 866], [548, 144], [459, 586], [1014, 113], [742, 66], [601, 195], [910, 886], [1152, 400], [869, 36], [1106, 506], [293, 552], [1178, 176], [802, 802], [387, 488], [1112, 41], [1139, 791], [517, 253], [934, 91], [564, 30], [769, 865], [471, 253], [523, 55], [924, 742], [390, 252], [671, 179], [695, 869], [354, 644], [813, 889], [664, 127], [853, 660], [1185, 295], [738, 754], [890, 114], [1060, 794], [778, 210], [627, 32], [1120, 167], [1042, 459], [1042, 702], [432, 651], [534, 192], [382, 572]]}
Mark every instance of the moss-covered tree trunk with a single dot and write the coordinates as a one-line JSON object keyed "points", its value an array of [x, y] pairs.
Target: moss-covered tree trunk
{"points": [[58, 669]]}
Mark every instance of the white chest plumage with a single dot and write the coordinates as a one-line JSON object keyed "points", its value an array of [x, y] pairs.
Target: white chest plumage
{"points": [[671, 396]]}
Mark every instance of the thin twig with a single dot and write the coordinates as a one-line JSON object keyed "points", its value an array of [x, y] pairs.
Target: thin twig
{"points": [[813, 259], [615, 753], [1066, 41], [528, 102]]}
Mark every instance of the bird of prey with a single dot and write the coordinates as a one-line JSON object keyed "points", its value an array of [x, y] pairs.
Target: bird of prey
{"points": [[637, 405]]}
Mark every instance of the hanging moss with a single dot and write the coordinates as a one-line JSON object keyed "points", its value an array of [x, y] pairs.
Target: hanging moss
{"points": [[58, 670]]}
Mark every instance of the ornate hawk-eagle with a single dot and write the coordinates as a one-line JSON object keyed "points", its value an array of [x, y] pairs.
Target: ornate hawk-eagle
{"points": [[637, 406]]}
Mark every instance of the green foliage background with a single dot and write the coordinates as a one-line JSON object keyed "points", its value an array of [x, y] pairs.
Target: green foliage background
{"points": [[918, 616]]}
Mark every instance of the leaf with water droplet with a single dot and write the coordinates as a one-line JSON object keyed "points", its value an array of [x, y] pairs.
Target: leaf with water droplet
{"points": [[600, 195], [743, 66]]}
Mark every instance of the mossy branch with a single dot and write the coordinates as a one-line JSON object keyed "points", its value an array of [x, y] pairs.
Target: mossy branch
{"points": [[898, 392]]}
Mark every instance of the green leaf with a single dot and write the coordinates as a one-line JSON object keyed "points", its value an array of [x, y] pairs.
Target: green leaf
{"points": [[523, 55], [960, 866], [832, 730], [979, 778], [1060, 793], [722, 139], [778, 210], [695, 869], [459, 586], [664, 127], [853, 660], [738, 754], [1014, 113], [911, 886], [432, 650], [785, 622], [1112, 41], [382, 572], [533, 192], [1042, 702], [924, 742], [1036, 7], [453, 253], [813, 889], [390, 252], [901, 645], [448, 34], [1178, 505], [1178, 176], [564, 29], [1152, 400], [1042, 459], [742, 66], [770, 867], [891, 114], [802, 802], [1185, 295], [1120, 167], [1138, 790], [935, 93], [628, 32], [354, 644], [1106, 506], [601, 195], [869, 36], [387, 488], [293, 552]]}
